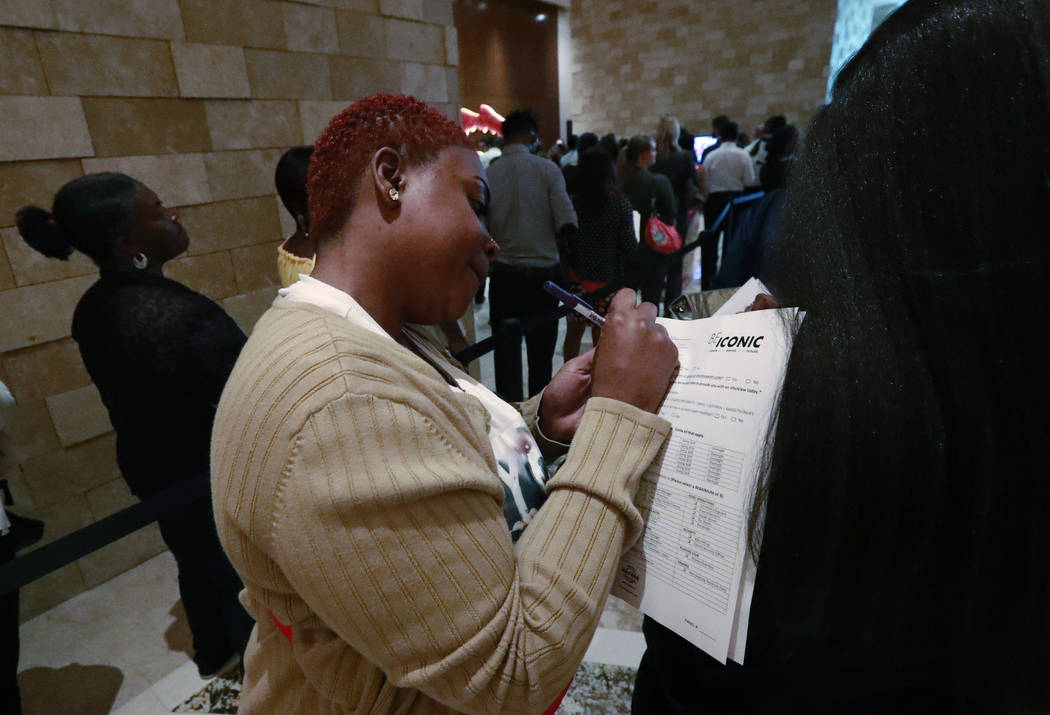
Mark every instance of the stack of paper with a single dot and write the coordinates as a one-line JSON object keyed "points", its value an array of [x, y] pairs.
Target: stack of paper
{"points": [[691, 570]]}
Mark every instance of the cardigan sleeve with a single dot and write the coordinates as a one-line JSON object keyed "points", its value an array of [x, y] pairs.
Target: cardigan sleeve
{"points": [[395, 537]]}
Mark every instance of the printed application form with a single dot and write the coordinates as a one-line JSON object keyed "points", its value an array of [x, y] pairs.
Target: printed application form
{"points": [[690, 570]]}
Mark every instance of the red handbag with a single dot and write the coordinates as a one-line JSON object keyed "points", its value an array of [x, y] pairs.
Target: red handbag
{"points": [[659, 236]]}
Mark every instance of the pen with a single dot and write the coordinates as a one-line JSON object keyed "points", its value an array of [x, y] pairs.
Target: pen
{"points": [[574, 302]]}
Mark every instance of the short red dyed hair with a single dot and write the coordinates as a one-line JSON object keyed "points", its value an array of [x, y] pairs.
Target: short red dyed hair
{"points": [[416, 130]]}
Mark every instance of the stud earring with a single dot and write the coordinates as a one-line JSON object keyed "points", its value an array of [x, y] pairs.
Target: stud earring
{"points": [[140, 261], [394, 194]]}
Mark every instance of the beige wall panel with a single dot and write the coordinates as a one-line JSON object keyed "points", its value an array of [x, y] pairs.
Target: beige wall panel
{"points": [[27, 13], [247, 23], [78, 415], [371, 6], [16, 482], [44, 370], [31, 432], [310, 29], [450, 110], [20, 70], [415, 42], [408, 9], [31, 267], [141, 127], [256, 267], [122, 555], [210, 70], [131, 18], [361, 35], [210, 274], [711, 60], [69, 472], [43, 128], [451, 47], [178, 179], [39, 313], [426, 82], [315, 116], [7, 277], [288, 226], [62, 517], [353, 78], [240, 174], [288, 75], [438, 11], [111, 66], [238, 124], [248, 308], [32, 182], [48, 591], [109, 498], [230, 224]]}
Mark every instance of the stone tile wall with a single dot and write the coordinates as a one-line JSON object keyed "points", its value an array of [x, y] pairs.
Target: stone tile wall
{"points": [[695, 59], [197, 98]]}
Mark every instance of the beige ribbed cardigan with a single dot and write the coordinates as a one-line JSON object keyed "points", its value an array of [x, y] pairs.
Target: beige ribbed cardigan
{"points": [[357, 496]]}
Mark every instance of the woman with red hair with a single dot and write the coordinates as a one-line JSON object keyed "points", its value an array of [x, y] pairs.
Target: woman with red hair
{"points": [[374, 498]]}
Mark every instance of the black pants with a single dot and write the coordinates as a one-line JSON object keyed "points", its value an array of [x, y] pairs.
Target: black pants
{"points": [[713, 207], [10, 700], [659, 275], [517, 294], [208, 585]]}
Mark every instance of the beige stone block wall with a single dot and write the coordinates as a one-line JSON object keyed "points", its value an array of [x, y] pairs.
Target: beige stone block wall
{"points": [[196, 98], [695, 59]]}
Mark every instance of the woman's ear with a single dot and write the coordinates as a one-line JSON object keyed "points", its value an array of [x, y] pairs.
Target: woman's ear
{"points": [[387, 167]]}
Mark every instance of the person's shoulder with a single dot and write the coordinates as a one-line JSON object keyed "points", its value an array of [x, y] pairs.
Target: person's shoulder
{"points": [[296, 335]]}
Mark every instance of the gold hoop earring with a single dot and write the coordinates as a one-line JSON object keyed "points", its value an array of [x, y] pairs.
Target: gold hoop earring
{"points": [[393, 193]]}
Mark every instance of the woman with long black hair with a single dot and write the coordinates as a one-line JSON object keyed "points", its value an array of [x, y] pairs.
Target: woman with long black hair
{"points": [[905, 556]]}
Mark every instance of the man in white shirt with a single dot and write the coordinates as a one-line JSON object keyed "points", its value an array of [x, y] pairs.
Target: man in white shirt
{"points": [[530, 216], [728, 170]]}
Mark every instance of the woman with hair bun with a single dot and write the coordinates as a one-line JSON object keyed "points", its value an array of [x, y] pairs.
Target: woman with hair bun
{"points": [[159, 355], [402, 547]]}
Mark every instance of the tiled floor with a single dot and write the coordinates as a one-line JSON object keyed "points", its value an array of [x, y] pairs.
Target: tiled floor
{"points": [[124, 646]]}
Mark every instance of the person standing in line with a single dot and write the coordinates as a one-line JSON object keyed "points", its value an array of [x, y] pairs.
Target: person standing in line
{"points": [[728, 171], [531, 218], [650, 194], [159, 354], [295, 257], [680, 169], [375, 498], [605, 246], [10, 696], [901, 526]]}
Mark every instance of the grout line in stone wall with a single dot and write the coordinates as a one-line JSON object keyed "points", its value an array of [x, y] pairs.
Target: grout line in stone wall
{"points": [[40, 60]]}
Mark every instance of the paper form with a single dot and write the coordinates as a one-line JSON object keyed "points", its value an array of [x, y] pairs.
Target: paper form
{"points": [[688, 568]]}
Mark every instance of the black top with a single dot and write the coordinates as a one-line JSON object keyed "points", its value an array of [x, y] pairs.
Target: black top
{"points": [[643, 188], [605, 241], [160, 355], [679, 168]]}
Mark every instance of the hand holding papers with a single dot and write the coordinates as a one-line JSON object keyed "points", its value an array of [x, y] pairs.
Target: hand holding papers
{"points": [[689, 570]]}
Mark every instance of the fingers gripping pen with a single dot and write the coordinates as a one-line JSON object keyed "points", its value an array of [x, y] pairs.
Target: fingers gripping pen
{"points": [[574, 302]]}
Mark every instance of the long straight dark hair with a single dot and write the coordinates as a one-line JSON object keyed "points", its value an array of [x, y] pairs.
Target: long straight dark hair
{"points": [[908, 500]]}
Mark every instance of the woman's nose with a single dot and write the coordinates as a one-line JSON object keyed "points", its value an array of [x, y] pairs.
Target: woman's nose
{"points": [[491, 248]]}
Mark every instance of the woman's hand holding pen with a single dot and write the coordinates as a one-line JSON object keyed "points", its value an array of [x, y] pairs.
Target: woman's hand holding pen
{"points": [[635, 358]]}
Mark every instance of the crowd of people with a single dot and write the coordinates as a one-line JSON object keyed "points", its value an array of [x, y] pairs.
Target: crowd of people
{"points": [[401, 543]]}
